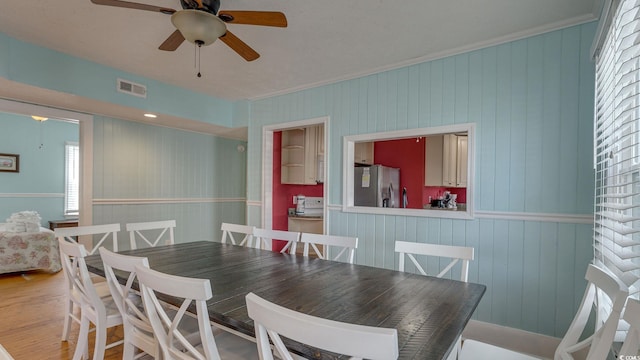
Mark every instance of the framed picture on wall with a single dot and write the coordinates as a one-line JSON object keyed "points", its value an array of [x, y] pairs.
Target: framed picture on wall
{"points": [[10, 162]]}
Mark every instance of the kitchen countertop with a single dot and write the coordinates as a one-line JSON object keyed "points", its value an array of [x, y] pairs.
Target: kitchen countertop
{"points": [[307, 216], [460, 207]]}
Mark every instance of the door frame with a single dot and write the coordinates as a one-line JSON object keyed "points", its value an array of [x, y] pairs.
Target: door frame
{"points": [[267, 166]]}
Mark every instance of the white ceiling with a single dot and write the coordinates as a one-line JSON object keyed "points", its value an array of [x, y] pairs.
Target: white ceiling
{"points": [[326, 40]]}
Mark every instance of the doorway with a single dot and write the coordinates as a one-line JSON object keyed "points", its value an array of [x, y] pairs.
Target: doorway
{"points": [[85, 124], [268, 169]]}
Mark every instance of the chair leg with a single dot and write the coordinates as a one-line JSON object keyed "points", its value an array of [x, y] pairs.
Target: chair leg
{"points": [[67, 320], [101, 341], [83, 340], [128, 350]]}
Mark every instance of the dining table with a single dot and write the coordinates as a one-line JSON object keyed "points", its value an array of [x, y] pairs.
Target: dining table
{"points": [[428, 313]]}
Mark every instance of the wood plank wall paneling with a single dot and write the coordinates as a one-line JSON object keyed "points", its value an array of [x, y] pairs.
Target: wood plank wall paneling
{"points": [[532, 103], [134, 161]]}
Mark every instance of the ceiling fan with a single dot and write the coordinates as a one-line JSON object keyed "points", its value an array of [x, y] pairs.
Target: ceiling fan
{"points": [[200, 22]]}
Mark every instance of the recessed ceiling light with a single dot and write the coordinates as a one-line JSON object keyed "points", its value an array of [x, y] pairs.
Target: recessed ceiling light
{"points": [[153, 116]]}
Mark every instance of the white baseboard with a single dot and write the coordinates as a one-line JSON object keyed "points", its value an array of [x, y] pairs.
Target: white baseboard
{"points": [[514, 339]]}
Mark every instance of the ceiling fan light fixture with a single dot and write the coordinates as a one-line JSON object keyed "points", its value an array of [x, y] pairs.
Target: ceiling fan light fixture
{"points": [[198, 27]]}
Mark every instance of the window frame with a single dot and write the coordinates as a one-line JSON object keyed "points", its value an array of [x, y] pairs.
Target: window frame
{"points": [[71, 146]]}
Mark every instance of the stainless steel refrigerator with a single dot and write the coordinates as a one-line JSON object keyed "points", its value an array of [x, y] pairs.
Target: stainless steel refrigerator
{"points": [[376, 186]]}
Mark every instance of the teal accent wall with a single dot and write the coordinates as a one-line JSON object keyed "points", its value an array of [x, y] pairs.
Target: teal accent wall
{"points": [[532, 103], [39, 186], [151, 173], [34, 65]]}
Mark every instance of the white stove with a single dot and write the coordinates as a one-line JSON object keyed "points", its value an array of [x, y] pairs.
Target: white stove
{"points": [[313, 206]]}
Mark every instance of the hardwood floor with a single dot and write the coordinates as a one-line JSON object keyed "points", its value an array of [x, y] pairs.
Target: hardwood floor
{"points": [[31, 313]]}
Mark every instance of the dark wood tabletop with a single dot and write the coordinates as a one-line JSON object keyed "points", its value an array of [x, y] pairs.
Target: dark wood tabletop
{"points": [[429, 313]]}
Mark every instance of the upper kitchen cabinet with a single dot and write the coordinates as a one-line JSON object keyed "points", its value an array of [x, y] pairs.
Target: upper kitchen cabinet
{"points": [[433, 160], [303, 156], [363, 153], [446, 160]]}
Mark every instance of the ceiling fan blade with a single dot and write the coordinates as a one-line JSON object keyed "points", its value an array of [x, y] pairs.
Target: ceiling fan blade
{"points": [[239, 46], [263, 18], [132, 5], [173, 41]]}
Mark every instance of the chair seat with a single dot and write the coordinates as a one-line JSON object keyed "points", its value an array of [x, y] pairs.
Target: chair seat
{"points": [[234, 347], [472, 349]]}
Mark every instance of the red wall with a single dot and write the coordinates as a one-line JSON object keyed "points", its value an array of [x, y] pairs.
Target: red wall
{"points": [[283, 193], [408, 155]]}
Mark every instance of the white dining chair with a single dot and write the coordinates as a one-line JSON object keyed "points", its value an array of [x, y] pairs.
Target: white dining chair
{"points": [[94, 308], [455, 253], [631, 345], [70, 234], [229, 229], [360, 342], [4, 354], [105, 232], [346, 245], [151, 233], [601, 286], [264, 238], [138, 333], [168, 325]]}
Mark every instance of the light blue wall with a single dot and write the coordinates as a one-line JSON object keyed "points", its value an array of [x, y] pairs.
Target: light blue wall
{"points": [[39, 186], [196, 179], [206, 172], [33, 65], [532, 102]]}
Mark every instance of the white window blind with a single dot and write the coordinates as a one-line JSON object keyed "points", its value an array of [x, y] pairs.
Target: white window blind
{"points": [[617, 147], [72, 178]]}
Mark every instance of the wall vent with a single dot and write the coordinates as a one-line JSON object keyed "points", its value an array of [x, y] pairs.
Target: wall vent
{"points": [[132, 88]]}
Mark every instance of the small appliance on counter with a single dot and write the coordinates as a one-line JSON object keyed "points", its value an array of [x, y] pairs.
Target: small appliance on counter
{"points": [[448, 201], [300, 200]]}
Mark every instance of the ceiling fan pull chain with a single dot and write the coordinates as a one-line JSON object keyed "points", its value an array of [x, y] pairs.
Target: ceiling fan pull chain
{"points": [[197, 59]]}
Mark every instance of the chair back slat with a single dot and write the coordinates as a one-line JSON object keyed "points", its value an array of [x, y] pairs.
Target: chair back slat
{"points": [[455, 253], [167, 325], [264, 238], [229, 229], [361, 342], [159, 231], [601, 285], [138, 332], [85, 236], [346, 245]]}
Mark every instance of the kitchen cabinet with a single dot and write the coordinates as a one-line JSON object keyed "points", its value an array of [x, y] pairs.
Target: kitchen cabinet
{"points": [[301, 155], [363, 153], [446, 160], [462, 159], [454, 155], [433, 160]]}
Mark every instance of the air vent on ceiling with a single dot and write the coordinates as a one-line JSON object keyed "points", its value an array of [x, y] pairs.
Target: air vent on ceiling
{"points": [[132, 88]]}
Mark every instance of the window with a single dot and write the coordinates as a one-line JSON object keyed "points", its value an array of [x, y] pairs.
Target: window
{"points": [[617, 145], [72, 178], [366, 192]]}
